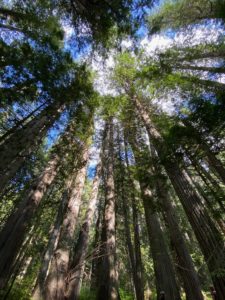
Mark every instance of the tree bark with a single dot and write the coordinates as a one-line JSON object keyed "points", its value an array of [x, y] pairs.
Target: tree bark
{"points": [[210, 182], [20, 123], [24, 141], [217, 216], [78, 260], [139, 286], [209, 238], [18, 265], [130, 247], [96, 247], [163, 268], [213, 161], [38, 293], [208, 84], [193, 55], [14, 231], [56, 280], [185, 264], [219, 70], [108, 283]]}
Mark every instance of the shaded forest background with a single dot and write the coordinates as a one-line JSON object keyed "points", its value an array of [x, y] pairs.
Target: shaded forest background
{"points": [[112, 150]]}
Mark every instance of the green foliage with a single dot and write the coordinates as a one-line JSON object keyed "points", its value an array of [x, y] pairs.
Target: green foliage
{"points": [[112, 106], [37, 69], [87, 294], [102, 19], [125, 67], [35, 21], [18, 292], [125, 295], [177, 13]]}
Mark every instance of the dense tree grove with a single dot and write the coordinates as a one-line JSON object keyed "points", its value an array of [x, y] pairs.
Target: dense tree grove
{"points": [[112, 150]]}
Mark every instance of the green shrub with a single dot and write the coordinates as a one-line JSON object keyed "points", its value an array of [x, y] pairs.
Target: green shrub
{"points": [[86, 294]]}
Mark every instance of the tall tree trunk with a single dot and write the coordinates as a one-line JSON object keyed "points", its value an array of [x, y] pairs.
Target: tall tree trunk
{"points": [[193, 55], [206, 83], [14, 231], [38, 293], [108, 283], [211, 183], [20, 123], [217, 216], [134, 253], [96, 247], [18, 265], [209, 238], [137, 247], [214, 162], [130, 247], [78, 260], [24, 141], [163, 268], [139, 287], [185, 264], [56, 280], [219, 70]]}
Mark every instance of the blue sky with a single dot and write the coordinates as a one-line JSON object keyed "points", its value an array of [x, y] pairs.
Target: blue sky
{"points": [[149, 44]]}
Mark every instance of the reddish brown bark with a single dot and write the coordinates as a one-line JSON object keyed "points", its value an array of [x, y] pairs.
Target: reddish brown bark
{"points": [[108, 281], [214, 162], [138, 267], [13, 233], [20, 123], [163, 268], [38, 292], [56, 280], [209, 238], [185, 264], [24, 141], [74, 275]]}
